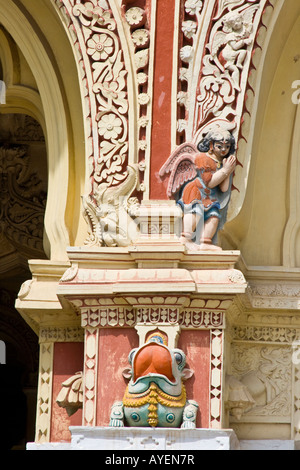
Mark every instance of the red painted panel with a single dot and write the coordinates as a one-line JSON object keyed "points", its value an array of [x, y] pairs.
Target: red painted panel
{"points": [[68, 359], [162, 95], [196, 346], [115, 345]]}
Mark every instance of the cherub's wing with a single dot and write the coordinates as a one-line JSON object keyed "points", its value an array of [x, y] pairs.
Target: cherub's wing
{"points": [[248, 15], [180, 166], [187, 148], [183, 171]]}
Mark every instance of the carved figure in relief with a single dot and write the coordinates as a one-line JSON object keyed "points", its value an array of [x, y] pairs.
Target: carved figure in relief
{"points": [[229, 46], [264, 374], [155, 395], [200, 180]]}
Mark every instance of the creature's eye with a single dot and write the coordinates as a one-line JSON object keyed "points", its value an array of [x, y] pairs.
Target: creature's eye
{"points": [[135, 417], [131, 355], [170, 417], [178, 357]]}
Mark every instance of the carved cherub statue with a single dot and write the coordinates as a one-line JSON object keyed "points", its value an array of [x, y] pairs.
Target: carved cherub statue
{"points": [[229, 46], [200, 180]]}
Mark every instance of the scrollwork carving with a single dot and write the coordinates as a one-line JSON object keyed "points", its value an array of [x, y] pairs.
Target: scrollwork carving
{"points": [[213, 79], [221, 73], [190, 31]]}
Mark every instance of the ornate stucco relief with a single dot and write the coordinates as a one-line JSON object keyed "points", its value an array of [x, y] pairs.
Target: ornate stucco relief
{"points": [[44, 403], [274, 295], [115, 51], [266, 372], [219, 41], [22, 200], [264, 358], [112, 46]]}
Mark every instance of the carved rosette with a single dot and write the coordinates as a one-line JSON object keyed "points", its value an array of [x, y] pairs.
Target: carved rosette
{"points": [[189, 32], [138, 21]]}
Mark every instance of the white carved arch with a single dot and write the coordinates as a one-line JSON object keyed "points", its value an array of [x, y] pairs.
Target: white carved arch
{"points": [[19, 98], [6, 58], [255, 100], [49, 109], [280, 47]]}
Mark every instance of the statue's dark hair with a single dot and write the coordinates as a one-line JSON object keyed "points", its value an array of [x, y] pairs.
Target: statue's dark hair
{"points": [[214, 137]]}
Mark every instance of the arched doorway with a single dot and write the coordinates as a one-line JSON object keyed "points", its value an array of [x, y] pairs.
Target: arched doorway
{"points": [[23, 190]]}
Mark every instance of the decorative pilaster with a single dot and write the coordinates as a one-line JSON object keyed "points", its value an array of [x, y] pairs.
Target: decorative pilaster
{"points": [[90, 376], [216, 378], [44, 402], [49, 337]]}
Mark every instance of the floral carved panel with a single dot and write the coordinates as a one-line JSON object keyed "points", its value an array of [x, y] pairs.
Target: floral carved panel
{"points": [[114, 47], [219, 41], [217, 74], [111, 42]]}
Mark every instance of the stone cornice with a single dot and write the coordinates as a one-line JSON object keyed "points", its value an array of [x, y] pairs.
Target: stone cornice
{"points": [[271, 287], [158, 282], [156, 254]]}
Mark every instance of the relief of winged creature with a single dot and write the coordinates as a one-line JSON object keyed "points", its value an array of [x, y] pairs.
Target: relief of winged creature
{"points": [[229, 47]]}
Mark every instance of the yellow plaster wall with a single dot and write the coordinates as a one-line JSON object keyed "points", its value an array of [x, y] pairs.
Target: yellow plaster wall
{"points": [[56, 40]]}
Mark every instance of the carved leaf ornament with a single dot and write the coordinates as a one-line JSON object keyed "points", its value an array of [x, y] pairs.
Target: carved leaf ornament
{"points": [[109, 86], [70, 396]]}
